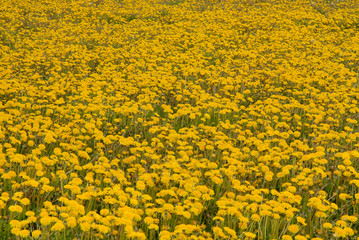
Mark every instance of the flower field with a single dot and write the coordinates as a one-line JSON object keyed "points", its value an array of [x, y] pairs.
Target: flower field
{"points": [[179, 119]]}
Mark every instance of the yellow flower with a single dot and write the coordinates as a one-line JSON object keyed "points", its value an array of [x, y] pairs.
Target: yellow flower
{"points": [[168, 207], [24, 233], [71, 222], [217, 231], [294, 228], [25, 201], [344, 196], [250, 235], [231, 232], [187, 214], [255, 217], [339, 232], [16, 231], [57, 151], [165, 235], [36, 234], [140, 185], [30, 143], [300, 237], [287, 237], [352, 219], [265, 213], [15, 208], [46, 220], [349, 231], [103, 229], [104, 212], [327, 225], [30, 213], [301, 221], [15, 224], [341, 223], [85, 226], [153, 226], [58, 226], [269, 176]]}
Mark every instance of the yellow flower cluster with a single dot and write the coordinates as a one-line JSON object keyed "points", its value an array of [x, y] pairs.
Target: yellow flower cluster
{"points": [[179, 119]]}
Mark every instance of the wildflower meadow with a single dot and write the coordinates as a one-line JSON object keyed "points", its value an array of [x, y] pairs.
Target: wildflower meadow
{"points": [[179, 119]]}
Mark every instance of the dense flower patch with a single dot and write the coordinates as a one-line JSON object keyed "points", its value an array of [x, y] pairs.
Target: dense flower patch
{"points": [[179, 119]]}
